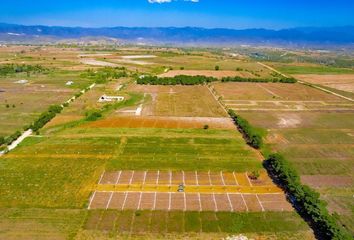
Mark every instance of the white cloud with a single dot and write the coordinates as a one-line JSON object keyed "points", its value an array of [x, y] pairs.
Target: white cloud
{"points": [[168, 1]]}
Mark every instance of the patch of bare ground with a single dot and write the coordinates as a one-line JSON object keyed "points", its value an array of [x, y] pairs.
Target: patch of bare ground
{"points": [[327, 180], [94, 62], [344, 82], [289, 120]]}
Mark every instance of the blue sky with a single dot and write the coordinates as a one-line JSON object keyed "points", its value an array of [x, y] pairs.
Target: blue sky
{"points": [[202, 13]]}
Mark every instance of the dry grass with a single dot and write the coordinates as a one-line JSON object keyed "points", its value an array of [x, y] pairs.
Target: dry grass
{"points": [[180, 101]]}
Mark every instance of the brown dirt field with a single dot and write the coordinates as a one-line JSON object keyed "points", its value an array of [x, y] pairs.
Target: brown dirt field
{"points": [[162, 201], [222, 202], [344, 82], [229, 179], [180, 101], [117, 200], [151, 177], [216, 178], [263, 180], [237, 202], [125, 177], [164, 178], [327, 180], [277, 206], [207, 202], [242, 179], [192, 200], [147, 201], [190, 178], [208, 73], [203, 178], [252, 203], [177, 201], [100, 200], [132, 201], [109, 178], [161, 122], [177, 178], [271, 91], [138, 177]]}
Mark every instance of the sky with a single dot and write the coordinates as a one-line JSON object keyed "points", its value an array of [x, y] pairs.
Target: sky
{"points": [[237, 14]]}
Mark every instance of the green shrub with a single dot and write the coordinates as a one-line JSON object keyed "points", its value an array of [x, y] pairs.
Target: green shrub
{"points": [[93, 116]]}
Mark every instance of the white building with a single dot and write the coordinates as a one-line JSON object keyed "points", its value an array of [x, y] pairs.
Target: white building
{"points": [[105, 98]]}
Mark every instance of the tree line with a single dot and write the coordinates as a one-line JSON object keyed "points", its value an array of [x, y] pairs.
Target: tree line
{"points": [[305, 200], [252, 136], [8, 69], [176, 80], [273, 80]]}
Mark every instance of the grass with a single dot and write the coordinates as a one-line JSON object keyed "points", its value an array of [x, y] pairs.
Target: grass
{"points": [[18, 223], [311, 69], [59, 170], [174, 151], [180, 223]]}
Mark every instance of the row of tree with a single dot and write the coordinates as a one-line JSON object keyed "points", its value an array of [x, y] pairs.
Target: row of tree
{"points": [[8, 69], [274, 80], [251, 134], [8, 140], [176, 80], [306, 200], [45, 117]]}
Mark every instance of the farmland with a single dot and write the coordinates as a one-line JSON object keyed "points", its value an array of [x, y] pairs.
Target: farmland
{"points": [[167, 161]]}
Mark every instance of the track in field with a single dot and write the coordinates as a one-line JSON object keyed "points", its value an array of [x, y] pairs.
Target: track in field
{"points": [[204, 191]]}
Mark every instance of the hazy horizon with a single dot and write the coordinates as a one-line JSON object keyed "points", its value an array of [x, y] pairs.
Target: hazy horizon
{"points": [[230, 14]]}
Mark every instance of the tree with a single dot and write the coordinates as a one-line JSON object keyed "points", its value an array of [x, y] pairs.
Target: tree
{"points": [[217, 68]]}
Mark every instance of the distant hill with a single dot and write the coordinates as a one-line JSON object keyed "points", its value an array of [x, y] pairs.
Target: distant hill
{"points": [[182, 36]]}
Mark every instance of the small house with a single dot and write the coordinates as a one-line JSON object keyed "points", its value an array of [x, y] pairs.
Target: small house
{"points": [[105, 98]]}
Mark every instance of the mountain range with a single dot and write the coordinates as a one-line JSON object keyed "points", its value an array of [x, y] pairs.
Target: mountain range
{"points": [[13, 33]]}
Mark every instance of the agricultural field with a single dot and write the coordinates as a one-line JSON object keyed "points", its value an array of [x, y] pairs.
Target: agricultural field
{"points": [[167, 161], [320, 147]]}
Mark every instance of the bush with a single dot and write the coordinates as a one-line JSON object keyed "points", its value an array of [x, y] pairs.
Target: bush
{"points": [[254, 175], [252, 136], [306, 200], [217, 68], [206, 127], [93, 116], [2, 140], [176, 80]]}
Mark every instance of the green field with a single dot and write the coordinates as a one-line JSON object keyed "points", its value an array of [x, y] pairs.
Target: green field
{"points": [[311, 69]]}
